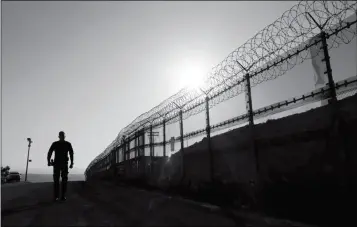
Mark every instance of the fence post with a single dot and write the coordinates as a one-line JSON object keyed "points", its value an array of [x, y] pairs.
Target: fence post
{"points": [[143, 142], [248, 98], [114, 160], [151, 148], [328, 68], [136, 144], [124, 156], [182, 146], [137, 151], [124, 150], [128, 151], [114, 152], [208, 132], [151, 144], [326, 59], [249, 107], [164, 136]]}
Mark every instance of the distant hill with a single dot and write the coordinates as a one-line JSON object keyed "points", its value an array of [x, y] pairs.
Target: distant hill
{"points": [[31, 177]]}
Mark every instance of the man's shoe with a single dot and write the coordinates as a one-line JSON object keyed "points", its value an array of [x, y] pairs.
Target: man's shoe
{"points": [[56, 199], [63, 199]]}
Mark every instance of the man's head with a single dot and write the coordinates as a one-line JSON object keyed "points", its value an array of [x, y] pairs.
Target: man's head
{"points": [[61, 135]]}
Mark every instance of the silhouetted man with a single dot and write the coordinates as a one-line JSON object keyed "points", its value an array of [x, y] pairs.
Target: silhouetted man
{"points": [[60, 164]]}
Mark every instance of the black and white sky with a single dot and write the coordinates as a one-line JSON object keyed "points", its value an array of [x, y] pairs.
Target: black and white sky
{"points": [[90, 68]]}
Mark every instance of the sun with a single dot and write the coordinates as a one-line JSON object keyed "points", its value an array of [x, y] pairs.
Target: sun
{"points": [[192, 76]]}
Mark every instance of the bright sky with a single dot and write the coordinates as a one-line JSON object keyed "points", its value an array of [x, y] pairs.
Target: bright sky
{"points": [[90, 68]]}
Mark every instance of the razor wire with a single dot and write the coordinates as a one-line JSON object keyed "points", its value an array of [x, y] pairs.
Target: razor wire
{"points": [[344, 88], [269, 54]]}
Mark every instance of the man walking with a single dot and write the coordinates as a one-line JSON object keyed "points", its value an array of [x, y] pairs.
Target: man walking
{"points": [[60, 164]]}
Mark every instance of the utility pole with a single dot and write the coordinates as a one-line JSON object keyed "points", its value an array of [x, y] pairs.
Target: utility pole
{"points": [[28, 153]]}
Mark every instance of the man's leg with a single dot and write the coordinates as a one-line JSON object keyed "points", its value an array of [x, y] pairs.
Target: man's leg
{"points": [[56, 176], [64, 175]]}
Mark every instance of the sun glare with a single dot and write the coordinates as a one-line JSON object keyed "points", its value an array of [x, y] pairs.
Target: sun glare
{"points": [[192, 76]]}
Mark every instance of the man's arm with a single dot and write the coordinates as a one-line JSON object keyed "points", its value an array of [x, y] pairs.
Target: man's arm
{"points": [[71, 153], [49, 154]]}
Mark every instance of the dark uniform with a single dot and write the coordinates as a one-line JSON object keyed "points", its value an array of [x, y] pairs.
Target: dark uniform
{"points": [[60, 164]]}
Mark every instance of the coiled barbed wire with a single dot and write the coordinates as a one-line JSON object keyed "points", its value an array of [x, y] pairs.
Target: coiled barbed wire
{"points": [[269, 54]]}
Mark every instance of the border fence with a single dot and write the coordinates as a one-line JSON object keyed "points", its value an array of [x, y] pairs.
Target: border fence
{"points": [[270, 54]]}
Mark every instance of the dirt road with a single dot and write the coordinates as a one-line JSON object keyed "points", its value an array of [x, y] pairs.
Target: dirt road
{"points": [[112, 205]]}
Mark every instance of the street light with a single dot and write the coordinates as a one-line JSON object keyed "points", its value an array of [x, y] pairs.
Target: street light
{"points": [[28, 153]]}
